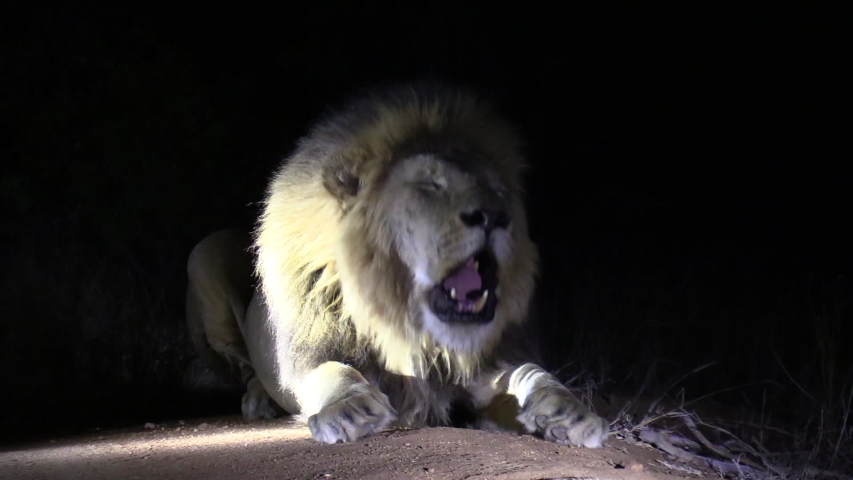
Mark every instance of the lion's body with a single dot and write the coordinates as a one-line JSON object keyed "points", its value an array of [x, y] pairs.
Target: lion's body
{"points": [[395, 275]]}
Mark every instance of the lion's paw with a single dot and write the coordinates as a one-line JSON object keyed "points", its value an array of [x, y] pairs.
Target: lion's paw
{"points": [[352, 417], [559, 417], [257, 403]]}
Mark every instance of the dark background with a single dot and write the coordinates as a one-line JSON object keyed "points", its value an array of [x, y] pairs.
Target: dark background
{"points": [[689, 187]]}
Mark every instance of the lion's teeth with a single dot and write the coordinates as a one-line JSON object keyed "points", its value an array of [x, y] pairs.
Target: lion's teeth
{"points": [[453, 293], [477, 266], [478, 307]]}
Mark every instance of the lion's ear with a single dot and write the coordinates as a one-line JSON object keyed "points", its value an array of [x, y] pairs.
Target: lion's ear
{"points": [[341, 177]]}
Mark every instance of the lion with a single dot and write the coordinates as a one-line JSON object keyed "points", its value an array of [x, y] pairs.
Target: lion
{"points": [[394, 276]]}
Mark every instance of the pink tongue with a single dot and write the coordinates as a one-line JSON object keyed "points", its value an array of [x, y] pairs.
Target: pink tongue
{"points": [[464, 280]]}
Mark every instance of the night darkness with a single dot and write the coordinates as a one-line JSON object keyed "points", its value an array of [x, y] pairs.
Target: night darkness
{"points": [[687, 191]]}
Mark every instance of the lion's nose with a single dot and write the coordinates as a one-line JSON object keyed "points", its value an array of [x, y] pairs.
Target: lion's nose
{"points": [[486, 219]]}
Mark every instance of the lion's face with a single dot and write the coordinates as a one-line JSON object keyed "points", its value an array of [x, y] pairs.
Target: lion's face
{"points": [[451, 224], [448, 224]]}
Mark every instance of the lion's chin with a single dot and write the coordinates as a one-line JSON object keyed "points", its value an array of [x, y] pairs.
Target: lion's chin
{"points": [[467, 295], [462, 338]]}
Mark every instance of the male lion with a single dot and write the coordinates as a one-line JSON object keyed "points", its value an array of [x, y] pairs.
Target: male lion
{"points": [[395, 274]]}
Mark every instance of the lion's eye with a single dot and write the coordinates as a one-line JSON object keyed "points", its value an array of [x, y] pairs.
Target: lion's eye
{"points": [[430, 186]]}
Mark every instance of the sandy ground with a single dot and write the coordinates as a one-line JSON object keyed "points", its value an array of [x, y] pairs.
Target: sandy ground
{"points": [[228, 448]]}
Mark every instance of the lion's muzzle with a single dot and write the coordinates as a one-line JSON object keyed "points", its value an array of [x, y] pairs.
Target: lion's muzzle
{"points": [[485, 218]]}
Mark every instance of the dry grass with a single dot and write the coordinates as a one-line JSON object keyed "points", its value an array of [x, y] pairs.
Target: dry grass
{"points": [[735, 443]]}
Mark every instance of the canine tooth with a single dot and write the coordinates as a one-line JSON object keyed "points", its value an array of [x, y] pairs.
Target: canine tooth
{"points": [[477, 266], [453, 293], [478, 307]]}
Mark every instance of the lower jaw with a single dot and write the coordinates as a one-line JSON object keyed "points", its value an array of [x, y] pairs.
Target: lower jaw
{"points": [[461, 319]]}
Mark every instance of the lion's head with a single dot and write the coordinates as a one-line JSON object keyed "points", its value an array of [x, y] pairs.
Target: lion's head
{"points": [[417, 216]]}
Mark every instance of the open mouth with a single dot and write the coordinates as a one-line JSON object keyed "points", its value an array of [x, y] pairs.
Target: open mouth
{"points": [[467, 294]]}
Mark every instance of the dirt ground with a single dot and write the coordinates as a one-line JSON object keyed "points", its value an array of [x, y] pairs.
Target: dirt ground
{"points": [[228, 447]]}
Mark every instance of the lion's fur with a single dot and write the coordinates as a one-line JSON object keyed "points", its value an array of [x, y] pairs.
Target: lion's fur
{"points": [[330, 273]]}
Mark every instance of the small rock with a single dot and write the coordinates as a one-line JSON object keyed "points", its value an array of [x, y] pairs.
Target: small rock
{"points": [[150, 426], [203, 426]]}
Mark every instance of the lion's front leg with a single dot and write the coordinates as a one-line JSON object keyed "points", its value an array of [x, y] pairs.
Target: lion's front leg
{"points": [[341, 406], [549, 409]]}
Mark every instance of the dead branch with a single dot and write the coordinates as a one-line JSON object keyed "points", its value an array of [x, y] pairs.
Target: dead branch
{"points": [[661, 441]]}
